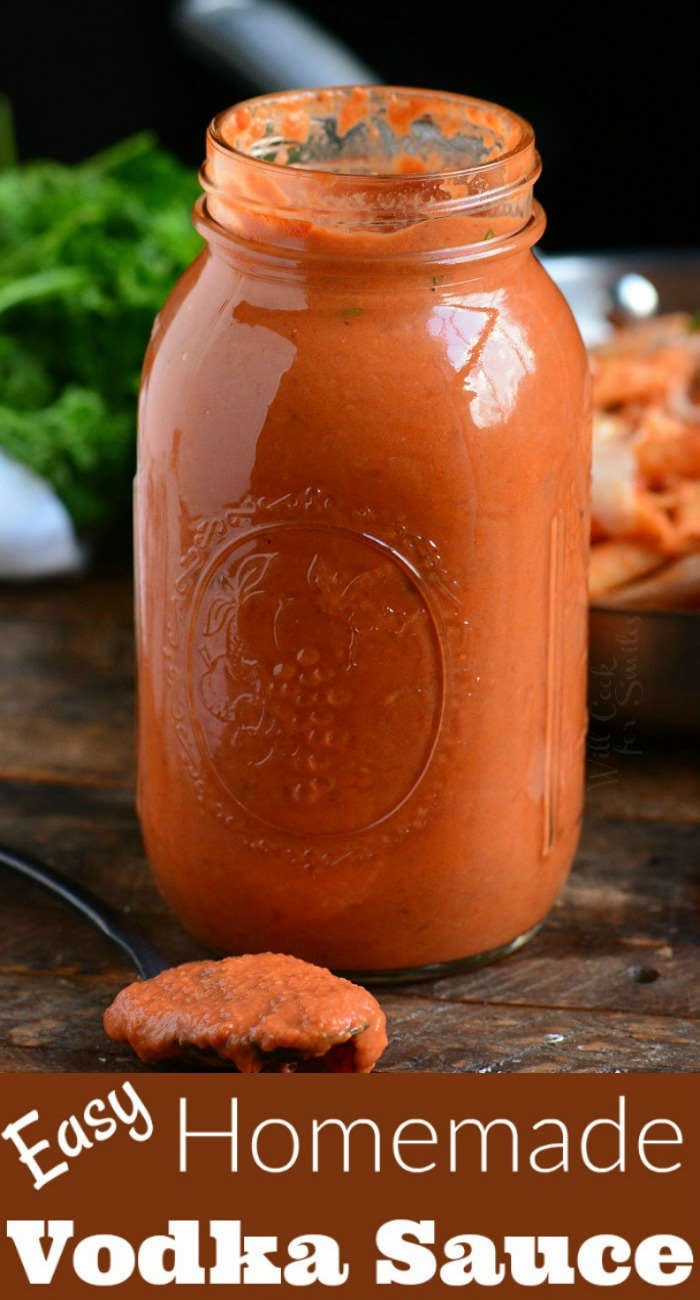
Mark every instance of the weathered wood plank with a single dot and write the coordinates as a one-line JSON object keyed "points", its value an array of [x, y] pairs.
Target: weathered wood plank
{"points": [[633, 879], [561, 971], [66, 689], [55, 1024], [21, 1060], [45, 937], [89, 833], [97, 598], [450, 1038], [662, 783]]}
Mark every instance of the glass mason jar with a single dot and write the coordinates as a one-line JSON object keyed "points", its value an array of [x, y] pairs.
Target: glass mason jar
{"points": [[361, 510]]}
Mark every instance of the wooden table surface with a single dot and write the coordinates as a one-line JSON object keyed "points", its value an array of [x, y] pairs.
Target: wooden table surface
{"points": [[611, 983]]}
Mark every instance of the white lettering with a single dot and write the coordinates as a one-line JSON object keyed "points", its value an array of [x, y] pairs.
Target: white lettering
{"points": [[347, 1130], [266, 1126], [119, 1264], [27, 1235], [474, 1260], [28, 1154], [561, 1147], [72, 1137], [230, 1133], [136, 1112], [242, 1259], [485, 1131], [645, 1141], [316, 1258], [591, 1257], [618, 1125], [102, 1128], [555, 1267], [664, 1260], [82, 1141], [400, 1140], [399, 1241], [181, 1247]]}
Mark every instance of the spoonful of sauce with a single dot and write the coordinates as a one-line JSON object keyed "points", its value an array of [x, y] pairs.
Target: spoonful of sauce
{"points": [[262, 1012]]}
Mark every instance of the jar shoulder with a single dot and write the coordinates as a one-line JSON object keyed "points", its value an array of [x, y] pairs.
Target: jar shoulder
{"points": [[239, 350], [190, 291], [213, 290]]}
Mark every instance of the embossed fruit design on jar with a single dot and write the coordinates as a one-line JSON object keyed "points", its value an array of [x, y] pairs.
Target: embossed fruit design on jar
{"points": [[291, 663], [361, 519]]}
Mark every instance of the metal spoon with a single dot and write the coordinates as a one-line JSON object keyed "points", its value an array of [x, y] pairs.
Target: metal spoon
{"points": [[147, 960], [352, 1042]]}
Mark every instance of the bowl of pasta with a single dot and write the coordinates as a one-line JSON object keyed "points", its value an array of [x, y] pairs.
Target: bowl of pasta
{"points": [[640, 320]]}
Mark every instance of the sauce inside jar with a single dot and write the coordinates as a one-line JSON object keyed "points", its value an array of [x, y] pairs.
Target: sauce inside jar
{"points": [[361, 541]]}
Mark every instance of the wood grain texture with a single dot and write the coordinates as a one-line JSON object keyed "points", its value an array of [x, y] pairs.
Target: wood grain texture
{"points": [[52, 1023], [66, 684], [611, 982]]}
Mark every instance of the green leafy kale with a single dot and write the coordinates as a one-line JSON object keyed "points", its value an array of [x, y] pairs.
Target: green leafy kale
{"points": [[88, 254]]}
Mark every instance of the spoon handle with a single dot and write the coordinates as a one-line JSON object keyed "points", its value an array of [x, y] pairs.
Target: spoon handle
{"points": [[147, 960]]}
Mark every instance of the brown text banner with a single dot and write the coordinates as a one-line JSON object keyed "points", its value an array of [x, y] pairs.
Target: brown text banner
{"points": [[432, 1183]]}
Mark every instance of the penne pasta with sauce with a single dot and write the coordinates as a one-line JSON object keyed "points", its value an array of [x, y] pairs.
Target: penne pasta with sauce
{"points": [[645, 531]]}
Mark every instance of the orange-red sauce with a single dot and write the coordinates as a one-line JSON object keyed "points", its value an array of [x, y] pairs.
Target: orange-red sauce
{"points": [[361, 517], [266, 1012]]}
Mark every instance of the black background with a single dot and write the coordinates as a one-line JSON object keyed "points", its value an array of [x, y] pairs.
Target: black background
{"points": [[613, 92]]}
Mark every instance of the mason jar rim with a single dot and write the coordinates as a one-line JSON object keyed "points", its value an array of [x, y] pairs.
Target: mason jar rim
{"points": [[308, 170], [216, 136]]}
